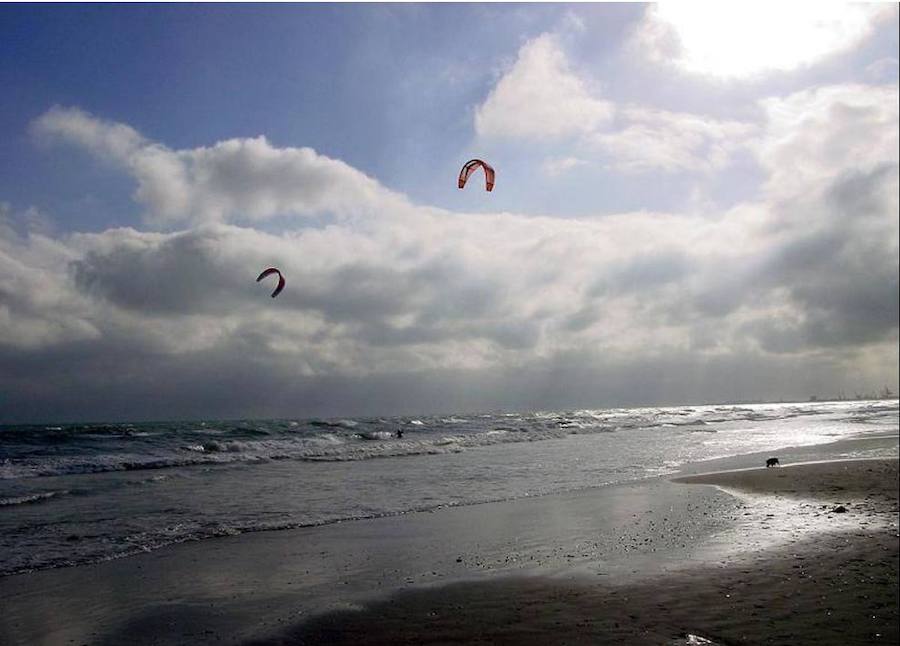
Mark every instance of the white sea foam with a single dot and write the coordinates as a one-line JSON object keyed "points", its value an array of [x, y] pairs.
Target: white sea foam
{"points": [[31, 498]]}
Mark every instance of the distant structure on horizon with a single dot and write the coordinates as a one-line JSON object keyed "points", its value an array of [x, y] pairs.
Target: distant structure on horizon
{"points": [[884, 393]]}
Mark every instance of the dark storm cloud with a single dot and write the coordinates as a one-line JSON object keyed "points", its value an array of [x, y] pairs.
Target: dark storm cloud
{"points": [[853, 312], [210, 271], [513, 335], [180, 274], [860, 193], [227, 385], [843, 277], [643, 272], [436, 289]]}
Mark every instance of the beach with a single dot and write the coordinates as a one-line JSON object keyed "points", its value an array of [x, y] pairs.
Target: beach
{"points": [[744, 555], [386, 323]]}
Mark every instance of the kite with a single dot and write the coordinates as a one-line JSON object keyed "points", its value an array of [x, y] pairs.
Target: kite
{"points": [[469, 168], [269, 272]]}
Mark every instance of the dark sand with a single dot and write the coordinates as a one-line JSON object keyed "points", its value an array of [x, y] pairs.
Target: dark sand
{"points": [[827, 585], [831, 591], [764, 561]]}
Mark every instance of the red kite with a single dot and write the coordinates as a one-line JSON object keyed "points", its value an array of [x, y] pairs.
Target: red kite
{"points": [[470, 167]]}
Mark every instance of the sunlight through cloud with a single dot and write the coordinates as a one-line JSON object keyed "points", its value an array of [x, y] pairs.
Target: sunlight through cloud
{"points": [[741, 40]]}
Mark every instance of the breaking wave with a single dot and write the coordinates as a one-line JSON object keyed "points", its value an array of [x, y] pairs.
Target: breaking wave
{"points": [[38, 451], [30, 499]]}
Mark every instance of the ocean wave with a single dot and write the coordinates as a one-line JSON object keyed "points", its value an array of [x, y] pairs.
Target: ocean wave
{"points": [[375, 435], [31, 498], [39, 451], [216, 446], [155, 479], [211, 489], [341, 423]]}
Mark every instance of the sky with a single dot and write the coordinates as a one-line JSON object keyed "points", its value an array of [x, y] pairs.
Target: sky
{"points": [[694, 203]]}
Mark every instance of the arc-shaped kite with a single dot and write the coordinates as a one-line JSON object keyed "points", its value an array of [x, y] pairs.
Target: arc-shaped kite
{"points": [[269, 272], [469, 168]]}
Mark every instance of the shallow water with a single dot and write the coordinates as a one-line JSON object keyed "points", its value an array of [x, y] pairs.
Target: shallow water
{"points": [[73, 494]]}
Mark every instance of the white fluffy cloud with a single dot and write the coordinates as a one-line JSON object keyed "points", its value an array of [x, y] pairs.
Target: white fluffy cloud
{"points": [[558, 165], [37, 306], [817, 134], [233, 180], [540, 97], [669, 141], [733, 40]]}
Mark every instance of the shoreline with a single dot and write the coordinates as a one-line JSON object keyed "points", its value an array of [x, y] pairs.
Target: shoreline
{"points": [[826, 587], [248, 584], [614, 540], [840, 447]]}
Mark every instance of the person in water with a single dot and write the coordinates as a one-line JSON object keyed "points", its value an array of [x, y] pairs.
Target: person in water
{"points": [[399, 434]]}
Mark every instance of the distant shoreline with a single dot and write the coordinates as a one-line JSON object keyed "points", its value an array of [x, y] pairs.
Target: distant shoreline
{"points": [[401, 415]]}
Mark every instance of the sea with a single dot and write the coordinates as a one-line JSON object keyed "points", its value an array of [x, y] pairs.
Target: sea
{"points": [[72, 494]]}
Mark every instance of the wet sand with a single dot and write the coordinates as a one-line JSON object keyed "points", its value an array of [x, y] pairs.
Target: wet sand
{"points": [[754, 556], [828, 583], [824, 479], [824, 592], [243, 587]]}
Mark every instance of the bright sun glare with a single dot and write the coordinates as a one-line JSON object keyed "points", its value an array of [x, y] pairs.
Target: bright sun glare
{"points": [[739, 40]]}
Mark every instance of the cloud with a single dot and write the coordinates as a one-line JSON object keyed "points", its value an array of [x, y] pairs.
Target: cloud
{"points": [[559, 165], [834, 177], [108, 139], [540, 97], [884, 70], [38, 307], [642, 273], [237, 180], [658, 140], [739, 41], [417, 297], [815, 134]]}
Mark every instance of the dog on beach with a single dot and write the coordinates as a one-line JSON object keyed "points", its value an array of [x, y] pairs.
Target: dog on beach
{"points": [[772, 462]]}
